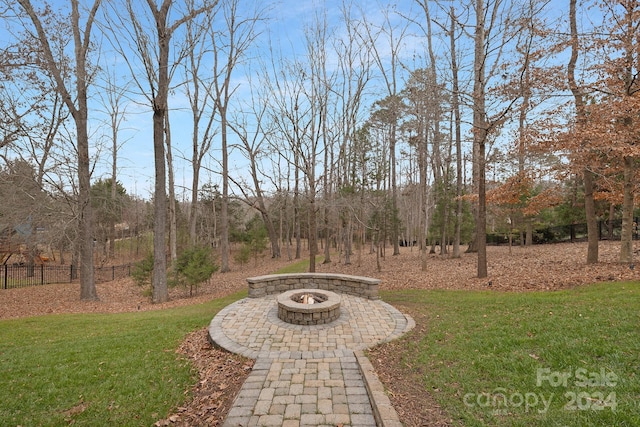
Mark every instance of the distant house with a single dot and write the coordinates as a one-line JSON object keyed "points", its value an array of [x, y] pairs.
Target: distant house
{"points": [[15, 241]]}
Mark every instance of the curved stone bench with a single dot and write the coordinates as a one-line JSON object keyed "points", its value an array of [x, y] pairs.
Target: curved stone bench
{"points": [[364, 287]]}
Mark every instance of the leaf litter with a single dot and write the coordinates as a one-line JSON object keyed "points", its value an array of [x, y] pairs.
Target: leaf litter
{"points": [[221, 374]]}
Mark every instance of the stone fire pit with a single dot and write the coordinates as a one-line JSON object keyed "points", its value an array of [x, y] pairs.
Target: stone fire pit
{"points": [[308, 306]]}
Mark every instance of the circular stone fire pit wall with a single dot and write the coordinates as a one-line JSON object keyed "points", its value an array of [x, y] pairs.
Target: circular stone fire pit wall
{"points": [[325, 310]]}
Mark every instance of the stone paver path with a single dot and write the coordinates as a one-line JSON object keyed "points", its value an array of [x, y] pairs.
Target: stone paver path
{"points": [[308, 375]]}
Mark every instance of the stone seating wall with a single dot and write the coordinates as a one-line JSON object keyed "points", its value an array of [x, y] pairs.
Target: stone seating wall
{"points": [[364, 287]]}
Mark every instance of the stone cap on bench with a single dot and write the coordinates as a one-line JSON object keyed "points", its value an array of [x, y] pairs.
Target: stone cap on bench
{"points": [[360, 286]]}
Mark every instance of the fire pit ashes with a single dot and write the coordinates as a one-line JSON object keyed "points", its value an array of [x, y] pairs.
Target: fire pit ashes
{"points": [[308, 306]]}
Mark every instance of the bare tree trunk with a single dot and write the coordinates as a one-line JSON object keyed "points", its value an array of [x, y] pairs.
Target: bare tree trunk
{"points": [[200, 93], [441, 195], [592, 223], [422, 200], [328, 233], [193, 211], [632, 61], [395, 226], [626, 235], [87, 287], [480, 136], [327, 193], [313, 227], [390, 77], [240, 33], [173, 220], [590, 213], [251, 151], [224, 208], [79, 113], [156, 65], [287, 234], [529, 234], [612, 212], [113, 102], [348, 233], [160, 292], [222, 101], [114, 185], [525, 91], [296, 207], [455, 105]]}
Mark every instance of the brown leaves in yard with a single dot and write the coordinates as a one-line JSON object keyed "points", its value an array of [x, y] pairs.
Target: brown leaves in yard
{"points": [[76, 410], [541, 267], [221, 375], [534, 268]]}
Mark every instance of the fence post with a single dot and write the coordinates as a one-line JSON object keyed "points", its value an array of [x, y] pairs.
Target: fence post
{"points": [[599, 230], [6, 276], [113, 272], [70, 273], [41, 274]]}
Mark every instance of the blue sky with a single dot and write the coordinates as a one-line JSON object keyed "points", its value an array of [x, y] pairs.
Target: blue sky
{"points": [[284, 28]]}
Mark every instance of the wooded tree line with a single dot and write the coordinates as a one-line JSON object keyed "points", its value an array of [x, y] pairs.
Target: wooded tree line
{"points": [[375, 128]]}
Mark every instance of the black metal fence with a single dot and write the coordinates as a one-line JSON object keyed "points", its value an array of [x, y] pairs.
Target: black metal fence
{"points": [[568, 233], [20, 276]]}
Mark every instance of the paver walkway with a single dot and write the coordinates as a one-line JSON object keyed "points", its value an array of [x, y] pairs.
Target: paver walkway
{"points": [[309, 375]]}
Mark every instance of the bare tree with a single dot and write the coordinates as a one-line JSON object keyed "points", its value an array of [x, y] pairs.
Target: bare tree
{"points": [[16, 103], [438, 168], [154, 55], [79, 112], [171, 199], [580, 124], [355, 61], [317, 97], [289, 116], [199, 90], [253, 138], [422, 100], [32, 111], [455, 106], [389, 69], [492, 35], [241, 33], [113, 99], [39, 125], [301, 92]]}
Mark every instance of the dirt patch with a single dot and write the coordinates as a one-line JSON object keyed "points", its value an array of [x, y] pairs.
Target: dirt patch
{"points": [[548, 267]]}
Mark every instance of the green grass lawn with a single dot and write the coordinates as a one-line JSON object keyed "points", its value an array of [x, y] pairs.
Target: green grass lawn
{"points": [[489, 358], [569, 358], [301, 266], [97, 369]]}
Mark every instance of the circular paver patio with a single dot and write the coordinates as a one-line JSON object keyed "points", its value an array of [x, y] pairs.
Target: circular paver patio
{"points": [[309, 375], [251, 327]]}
